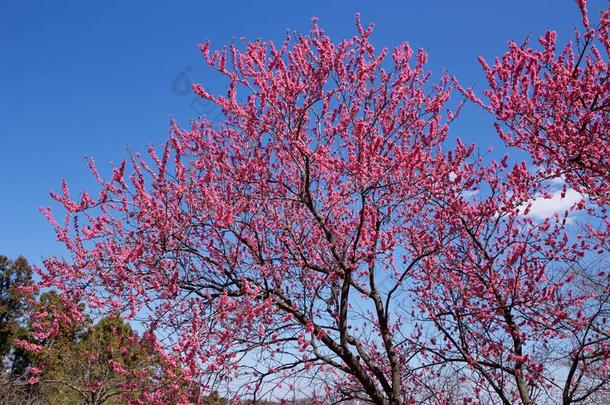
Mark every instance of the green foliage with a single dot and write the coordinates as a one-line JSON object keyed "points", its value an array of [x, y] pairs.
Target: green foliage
{"points": [[98, 364], [213, 399], [86, 363], [13, 303]]}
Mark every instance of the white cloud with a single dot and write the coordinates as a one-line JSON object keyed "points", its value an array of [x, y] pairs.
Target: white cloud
{"points": [[543, 208], [470, 193]]}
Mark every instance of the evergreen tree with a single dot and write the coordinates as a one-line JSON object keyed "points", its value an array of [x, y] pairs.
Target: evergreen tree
{"points": [[13, 304]]}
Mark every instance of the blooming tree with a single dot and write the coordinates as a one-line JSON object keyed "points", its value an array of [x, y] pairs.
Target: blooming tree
{"points": [[555, 105], [328, 238]]}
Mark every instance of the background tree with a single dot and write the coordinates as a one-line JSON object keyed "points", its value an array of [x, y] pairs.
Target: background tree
{"points": [[86, 363], [100, 367], [13, 303], [14, 309]]}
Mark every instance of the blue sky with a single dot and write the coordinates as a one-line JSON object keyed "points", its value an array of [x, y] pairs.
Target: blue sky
{"points": [[80, 79]]}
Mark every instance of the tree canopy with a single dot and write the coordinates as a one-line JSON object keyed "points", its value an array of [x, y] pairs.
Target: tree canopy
{"points": [[14, 308], [331, 237]]}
